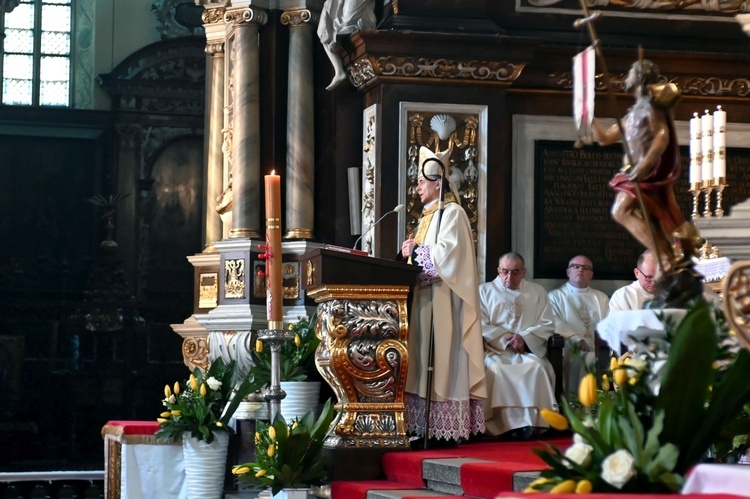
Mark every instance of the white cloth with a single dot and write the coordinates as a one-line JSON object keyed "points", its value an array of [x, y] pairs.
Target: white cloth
{"points": [[630, 297], [718, 479], [150, 471], [577, 312], [631, 325], [519, 384], [454, 301]]}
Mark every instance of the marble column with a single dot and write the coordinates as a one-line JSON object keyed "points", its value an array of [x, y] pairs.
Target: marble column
{"points": [[213, 22], [246, 122], [300, 158]]}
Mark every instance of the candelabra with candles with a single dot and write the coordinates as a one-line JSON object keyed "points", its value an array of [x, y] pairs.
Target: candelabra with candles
{"points": [[708, 160]]}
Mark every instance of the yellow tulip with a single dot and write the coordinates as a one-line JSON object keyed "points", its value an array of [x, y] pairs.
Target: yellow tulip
{"points": [[587, 390], [565, 487], [294, 425], [613, 364], [219, 424], [530, 490], [271, 450], [297, 339], [257, 437], [260, 473], [203, 389], [539, 481], [161, 420], [167, 391], [621, 376], [240, 470], [165, 414], [633, 380], [176, 387], [605, 382], [258, 346], [176, 412], [271, 432], [291, 327], [554, 419], [584, 487], [193, 383]]}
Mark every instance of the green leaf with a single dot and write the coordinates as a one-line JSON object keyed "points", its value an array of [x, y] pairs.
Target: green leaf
{"points": [[727, 402], [687, 376]]}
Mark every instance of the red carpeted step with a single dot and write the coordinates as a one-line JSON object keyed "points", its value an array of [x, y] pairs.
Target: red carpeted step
{"points": [[406, 467], [358, 490], [512, 495], [486, 480]]}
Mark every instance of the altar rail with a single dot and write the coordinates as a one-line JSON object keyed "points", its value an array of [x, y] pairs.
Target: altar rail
{"points": [[52, 485]]}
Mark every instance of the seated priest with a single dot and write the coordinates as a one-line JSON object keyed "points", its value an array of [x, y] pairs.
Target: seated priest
{"points": [[517, 321]]}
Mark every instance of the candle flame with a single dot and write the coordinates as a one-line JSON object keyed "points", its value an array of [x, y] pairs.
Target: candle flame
{"points": [[273, 172]]}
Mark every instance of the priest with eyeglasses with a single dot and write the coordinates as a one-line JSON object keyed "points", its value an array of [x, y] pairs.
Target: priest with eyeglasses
{"points": [[517, 321], [637, 293], [578, 308]]}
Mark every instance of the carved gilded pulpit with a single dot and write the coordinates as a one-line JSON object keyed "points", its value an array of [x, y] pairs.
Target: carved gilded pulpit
{"points": [[363, 325]]}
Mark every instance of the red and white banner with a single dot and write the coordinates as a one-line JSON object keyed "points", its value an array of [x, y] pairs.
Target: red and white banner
{"points": [[584, 81]]}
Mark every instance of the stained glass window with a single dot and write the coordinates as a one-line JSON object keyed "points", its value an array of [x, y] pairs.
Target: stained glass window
{"points": [[35, 66]]}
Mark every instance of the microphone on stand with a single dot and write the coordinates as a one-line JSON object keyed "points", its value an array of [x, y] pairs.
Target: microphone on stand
{"points": [[397, 209]]}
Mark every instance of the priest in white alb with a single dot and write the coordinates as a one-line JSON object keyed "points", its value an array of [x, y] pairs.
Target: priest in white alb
{"points": [[517, 321], [578, 308], [637, 293]]}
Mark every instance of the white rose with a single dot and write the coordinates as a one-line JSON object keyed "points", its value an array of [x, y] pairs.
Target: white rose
{"points": [[213, 383], [618, 468], [579, 453]]}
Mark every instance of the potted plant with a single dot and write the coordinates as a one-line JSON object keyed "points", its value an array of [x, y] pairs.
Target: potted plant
{"points": [[298, 371], [198, 412], [288, 455]]}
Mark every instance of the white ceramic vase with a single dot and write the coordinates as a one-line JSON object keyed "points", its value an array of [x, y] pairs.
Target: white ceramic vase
{"points": [[291, 494], [205, 465], [301, 396]]}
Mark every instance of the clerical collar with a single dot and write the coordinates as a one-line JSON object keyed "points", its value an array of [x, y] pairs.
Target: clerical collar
{"points": [[432, 206], [575, 289], [641, 288]]}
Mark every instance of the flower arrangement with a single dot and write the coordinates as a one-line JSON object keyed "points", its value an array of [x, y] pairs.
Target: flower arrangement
{"points": [[288, 455], [664, 414], [297, 357], [205, 402]]}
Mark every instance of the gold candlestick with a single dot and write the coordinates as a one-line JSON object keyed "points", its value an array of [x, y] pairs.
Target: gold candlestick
{"points": [[707, 188], [721, 184], [695, 190]]}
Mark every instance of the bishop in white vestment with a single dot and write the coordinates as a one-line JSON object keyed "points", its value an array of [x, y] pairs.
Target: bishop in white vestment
{"points": [[517, 321], [445, 301]]}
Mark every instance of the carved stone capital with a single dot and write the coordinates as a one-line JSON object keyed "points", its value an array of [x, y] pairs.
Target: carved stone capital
{"points": [[213, 16], [195, 352], [246, 16], [363, 70], [215, 49], [298, 17]]}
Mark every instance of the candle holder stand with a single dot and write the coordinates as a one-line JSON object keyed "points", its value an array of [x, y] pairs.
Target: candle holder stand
{"points": [[720, 186], [275, 338], [695, 190], [707, 207]]}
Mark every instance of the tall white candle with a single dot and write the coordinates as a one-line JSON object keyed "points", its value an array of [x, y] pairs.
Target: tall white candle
{"points": [[707, 145], [720, 144], [695, 149]]}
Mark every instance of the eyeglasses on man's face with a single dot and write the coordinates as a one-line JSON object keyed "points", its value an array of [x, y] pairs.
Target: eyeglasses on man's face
{"points": [[579, 266], [646, 276], [513, 272]]}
